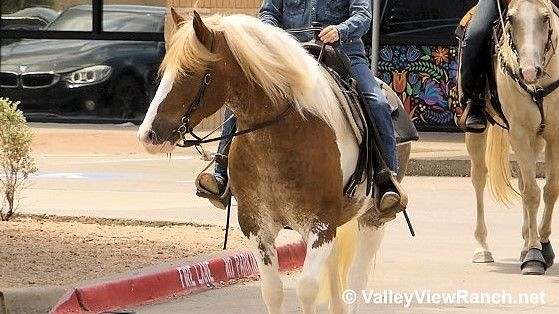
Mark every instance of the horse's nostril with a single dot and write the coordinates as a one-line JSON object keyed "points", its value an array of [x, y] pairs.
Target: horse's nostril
{"points": [[151, 137]]}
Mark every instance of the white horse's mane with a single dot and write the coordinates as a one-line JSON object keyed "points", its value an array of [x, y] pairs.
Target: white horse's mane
{"points": [[269, 57]]}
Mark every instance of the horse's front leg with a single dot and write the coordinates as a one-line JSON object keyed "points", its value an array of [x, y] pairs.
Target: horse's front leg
{"points": [[533, 263], [320, 242], [476, 144], [263, 241], [550, 194]]}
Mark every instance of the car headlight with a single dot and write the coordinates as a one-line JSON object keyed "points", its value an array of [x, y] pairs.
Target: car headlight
{"points": [[89, 75]]}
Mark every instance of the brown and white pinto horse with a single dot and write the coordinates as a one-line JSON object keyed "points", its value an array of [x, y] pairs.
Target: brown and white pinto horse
{"points": [[291, 173]]}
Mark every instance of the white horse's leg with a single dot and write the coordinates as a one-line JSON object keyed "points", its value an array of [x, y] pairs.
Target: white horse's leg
{"points": [[268, 266], [526, 155], [476, 144], [550, 194], [318, 253], [551, 191], [369, 240]]}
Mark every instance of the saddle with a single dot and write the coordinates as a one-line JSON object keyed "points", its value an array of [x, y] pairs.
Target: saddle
{"points": [[338, 65], [335, 62]]}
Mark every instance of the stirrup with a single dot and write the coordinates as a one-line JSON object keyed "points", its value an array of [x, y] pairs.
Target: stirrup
{"points": [[462, 121], [219, 201]]}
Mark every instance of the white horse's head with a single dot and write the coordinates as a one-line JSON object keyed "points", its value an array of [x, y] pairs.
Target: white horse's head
{"points": [[530, 29]]}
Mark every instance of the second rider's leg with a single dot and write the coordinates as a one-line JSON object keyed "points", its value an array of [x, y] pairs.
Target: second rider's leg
{"points": [[472, 78]]}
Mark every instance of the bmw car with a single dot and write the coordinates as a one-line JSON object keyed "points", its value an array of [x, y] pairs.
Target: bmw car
{"points": [[81, 78]]}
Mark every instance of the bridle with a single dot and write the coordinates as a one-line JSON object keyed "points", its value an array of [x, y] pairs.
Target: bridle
{"points": [[185, 127], [537, 93]]}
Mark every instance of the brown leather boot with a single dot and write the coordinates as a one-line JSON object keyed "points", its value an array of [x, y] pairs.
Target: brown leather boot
{"points": [[393, 198], [213, 187]]}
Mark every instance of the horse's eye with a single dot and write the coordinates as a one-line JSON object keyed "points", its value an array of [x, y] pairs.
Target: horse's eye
{"points": [[546, 18]]}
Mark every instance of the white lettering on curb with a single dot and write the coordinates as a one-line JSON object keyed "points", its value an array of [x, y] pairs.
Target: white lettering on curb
{"points": [[195, 275]]}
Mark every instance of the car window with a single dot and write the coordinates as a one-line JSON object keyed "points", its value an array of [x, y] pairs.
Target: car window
{"points": [[426, 18], [113, 21]]}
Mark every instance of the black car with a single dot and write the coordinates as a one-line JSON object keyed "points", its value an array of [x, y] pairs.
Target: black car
{"points": [[84, 77]]}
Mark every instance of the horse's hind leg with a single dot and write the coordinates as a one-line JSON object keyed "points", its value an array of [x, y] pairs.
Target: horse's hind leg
{"points": [[368, 243], [550, 194], [476, 144], [319, 248]]}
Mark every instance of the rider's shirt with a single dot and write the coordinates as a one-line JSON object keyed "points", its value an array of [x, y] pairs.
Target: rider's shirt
{"points": [[352, 18]]}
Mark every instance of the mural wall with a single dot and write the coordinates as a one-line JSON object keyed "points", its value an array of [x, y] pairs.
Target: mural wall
{"points": [[425, 78]]}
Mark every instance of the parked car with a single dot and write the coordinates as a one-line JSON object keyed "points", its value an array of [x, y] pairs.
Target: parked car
{"points": [[35, 18], [77, 77]]}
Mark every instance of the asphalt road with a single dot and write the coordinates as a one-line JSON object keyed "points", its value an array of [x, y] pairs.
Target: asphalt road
{"points": [[107, 178], [438, 260]]}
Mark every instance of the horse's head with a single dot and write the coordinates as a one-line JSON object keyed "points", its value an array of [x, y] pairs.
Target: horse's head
{"points": [[530, 27], [193, 84]]}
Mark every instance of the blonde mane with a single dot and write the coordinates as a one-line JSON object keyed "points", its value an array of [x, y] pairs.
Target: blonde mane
{"points": [[269, 57]]}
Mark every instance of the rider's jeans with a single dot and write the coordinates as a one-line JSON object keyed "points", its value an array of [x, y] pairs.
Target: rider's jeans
{"points": [[378, 104], [376, 100], [476, 37]]}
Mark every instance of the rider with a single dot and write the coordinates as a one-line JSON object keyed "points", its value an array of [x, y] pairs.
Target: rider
{"points": [[345, 21]]}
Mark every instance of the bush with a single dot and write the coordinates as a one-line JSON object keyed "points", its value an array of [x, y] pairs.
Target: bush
{"points": [[16, 163]]}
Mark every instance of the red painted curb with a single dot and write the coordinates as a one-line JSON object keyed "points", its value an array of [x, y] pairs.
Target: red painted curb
{"points": [[133, 291]]}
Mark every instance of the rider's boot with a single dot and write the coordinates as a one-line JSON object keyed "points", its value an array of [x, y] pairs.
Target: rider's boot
{"points": [[214, 186]]}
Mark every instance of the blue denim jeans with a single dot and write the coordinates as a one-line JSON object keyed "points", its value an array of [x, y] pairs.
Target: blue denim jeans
{"points": [[377, 104], [477, 34], [229, 128]]}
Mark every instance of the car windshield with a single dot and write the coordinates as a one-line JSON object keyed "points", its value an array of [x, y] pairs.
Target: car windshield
{"points": [[113, 21]]}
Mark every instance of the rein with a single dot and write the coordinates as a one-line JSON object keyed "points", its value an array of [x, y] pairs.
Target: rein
{"points": [[537, 93], [185, 128]]}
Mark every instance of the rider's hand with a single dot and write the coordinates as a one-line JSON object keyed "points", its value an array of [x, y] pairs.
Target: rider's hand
{"points": [[329, 34]]}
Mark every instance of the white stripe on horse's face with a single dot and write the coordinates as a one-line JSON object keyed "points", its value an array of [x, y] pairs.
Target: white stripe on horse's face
{"points": [[162, 91]]}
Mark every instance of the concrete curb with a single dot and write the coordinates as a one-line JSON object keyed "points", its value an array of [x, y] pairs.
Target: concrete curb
{"points": [[169, 283], [454, 167]]}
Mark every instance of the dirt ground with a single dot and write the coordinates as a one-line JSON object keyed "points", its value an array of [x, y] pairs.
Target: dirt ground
{"points": [[36, 251]]}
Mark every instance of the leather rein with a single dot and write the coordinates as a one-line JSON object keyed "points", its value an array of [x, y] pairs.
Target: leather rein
{"points": [[537, 93], [185, 127]]}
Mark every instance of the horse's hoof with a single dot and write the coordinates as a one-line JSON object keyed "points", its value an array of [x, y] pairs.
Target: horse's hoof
{"points": [[522, 256], [533, 263], [483, 257], [548, 254]]}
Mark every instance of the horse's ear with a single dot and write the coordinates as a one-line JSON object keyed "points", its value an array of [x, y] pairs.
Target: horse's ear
{"points": [[203, 33], [177, 19]]}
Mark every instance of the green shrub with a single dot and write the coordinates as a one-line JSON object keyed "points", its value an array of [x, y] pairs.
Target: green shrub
{"points": [[16, 163]]}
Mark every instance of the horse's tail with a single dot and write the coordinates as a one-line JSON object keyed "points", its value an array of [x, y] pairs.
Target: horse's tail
{"points": [[340, 260], [498, 165]]}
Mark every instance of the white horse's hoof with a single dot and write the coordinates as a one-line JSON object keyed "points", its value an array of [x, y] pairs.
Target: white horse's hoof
{"points": [[483, 257]]}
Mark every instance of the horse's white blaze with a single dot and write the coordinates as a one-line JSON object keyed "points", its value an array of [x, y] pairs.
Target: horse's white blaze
{"points": [[162, 91]]}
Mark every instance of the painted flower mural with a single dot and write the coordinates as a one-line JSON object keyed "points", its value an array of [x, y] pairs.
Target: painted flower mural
{"points": [[425, 78]]}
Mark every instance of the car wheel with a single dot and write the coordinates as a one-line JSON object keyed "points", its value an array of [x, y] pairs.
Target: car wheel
{"points": [[128, 100]]}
